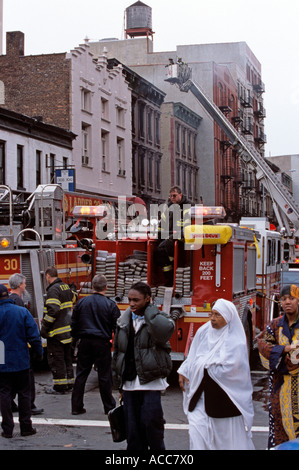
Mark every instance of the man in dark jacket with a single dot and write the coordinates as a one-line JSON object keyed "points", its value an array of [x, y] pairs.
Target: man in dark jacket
{"points": [[174, 217], [141, 364], [17, 329], [93, 322], [56, 327], [17, 284]]}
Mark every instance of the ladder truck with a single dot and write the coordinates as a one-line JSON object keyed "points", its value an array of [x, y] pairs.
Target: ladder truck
{"points": [[285, 207]]}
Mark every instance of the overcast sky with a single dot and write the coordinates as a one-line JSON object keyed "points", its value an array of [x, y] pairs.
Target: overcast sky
{"points": [[269, 27]]}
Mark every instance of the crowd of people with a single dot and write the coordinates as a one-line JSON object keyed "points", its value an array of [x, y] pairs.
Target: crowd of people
{"points": [[214, 378]]}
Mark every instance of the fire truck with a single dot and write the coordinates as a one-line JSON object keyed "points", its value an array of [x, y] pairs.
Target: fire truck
{"points": [[215, 259]]}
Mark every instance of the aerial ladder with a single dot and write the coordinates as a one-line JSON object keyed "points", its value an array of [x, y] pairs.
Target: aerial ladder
{"points": [[285, 207]]}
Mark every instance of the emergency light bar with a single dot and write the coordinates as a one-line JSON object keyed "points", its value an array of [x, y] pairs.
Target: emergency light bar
{"points": [[207, 234], [90, 211], [213, 212]]}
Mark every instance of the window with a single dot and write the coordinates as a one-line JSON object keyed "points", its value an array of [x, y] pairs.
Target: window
{"points": [[158, 174], [157, 129], [134, 165], [184, 141], [150, 171], [86, 100], [2, 162], [189, 145], [190, 183], [105, 109], [141, 119], [239, 269], [85, 145], [251, 268], [65, 162], [184, 178], [120, 157], [20, 162], [177, 138], [178, 174], [105, 151], [52, 167], [149, 126], [194, 148], [141, 175], [195, 186], [38, 175], [120, 116]]}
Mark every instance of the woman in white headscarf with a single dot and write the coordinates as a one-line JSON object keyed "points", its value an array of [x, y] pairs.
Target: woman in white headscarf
{"points": [[216, 383]]}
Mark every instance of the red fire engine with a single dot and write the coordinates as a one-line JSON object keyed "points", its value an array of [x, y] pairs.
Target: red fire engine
{"points": [[237, 262]]}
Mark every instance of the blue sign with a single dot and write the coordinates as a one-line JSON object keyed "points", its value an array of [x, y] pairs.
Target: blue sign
{"points": [[66, 179]]}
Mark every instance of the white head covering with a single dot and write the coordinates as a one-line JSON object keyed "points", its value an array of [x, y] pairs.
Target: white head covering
{"points": [[223, 352]]}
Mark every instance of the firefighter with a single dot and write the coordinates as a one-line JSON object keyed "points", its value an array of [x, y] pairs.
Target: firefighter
{"points": [[56, 327], [175, 216]]}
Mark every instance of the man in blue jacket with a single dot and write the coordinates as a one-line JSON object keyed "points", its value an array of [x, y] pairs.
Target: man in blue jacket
{"points": [[17, 329], [93, 322]]}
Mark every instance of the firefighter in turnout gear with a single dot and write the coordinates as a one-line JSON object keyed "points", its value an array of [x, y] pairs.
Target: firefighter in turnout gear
{"points": [[175, 216], [56, 327]]}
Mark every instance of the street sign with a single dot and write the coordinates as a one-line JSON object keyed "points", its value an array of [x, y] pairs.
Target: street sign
{"points": [[66, 179]]}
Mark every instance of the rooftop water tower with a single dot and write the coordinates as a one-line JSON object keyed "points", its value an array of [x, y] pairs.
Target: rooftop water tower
{"points": [[139, 21]]}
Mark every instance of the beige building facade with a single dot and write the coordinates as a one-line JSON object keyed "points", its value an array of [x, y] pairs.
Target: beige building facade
{"points": [[244, 70]]}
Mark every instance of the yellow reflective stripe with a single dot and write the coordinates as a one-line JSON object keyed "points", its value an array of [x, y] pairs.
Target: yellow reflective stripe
{"points": [[53, 301], [49, 319], [66, 341], [58, 331], [167, 268], [66, 305], [60, 381]]}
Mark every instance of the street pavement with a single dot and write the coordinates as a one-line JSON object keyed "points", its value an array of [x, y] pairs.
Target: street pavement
{"points": [[58, 429]]}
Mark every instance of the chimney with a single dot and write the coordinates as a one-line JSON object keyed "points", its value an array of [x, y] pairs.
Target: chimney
{"points": [[15, 43]]}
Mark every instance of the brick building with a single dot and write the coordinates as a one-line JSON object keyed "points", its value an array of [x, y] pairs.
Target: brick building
{"points": [[76, 92]]}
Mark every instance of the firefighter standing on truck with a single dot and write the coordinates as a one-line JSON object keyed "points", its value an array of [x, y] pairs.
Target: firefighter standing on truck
{"points": [[175, 216], [56, 327]]}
